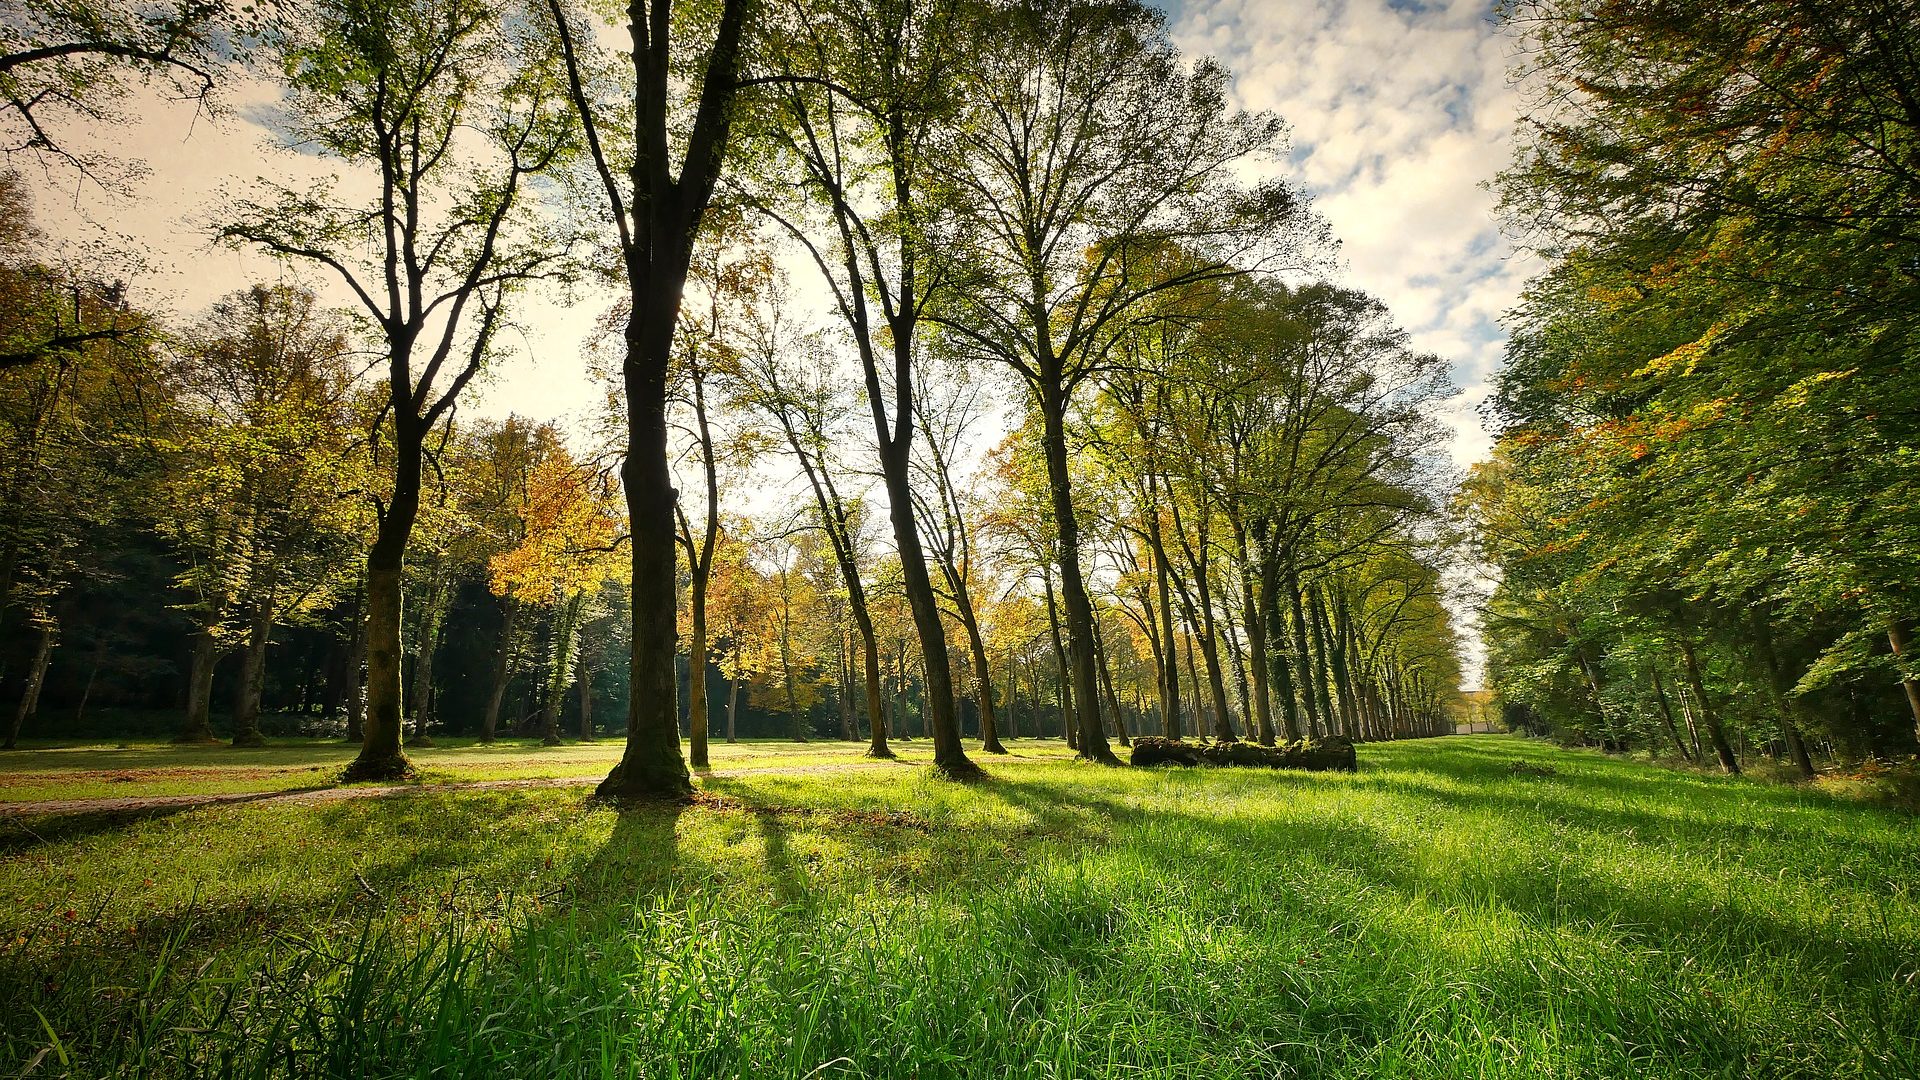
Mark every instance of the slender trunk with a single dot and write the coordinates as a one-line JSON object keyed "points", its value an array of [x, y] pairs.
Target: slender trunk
{"points": [[1323, 663], [253, 668], [1170, 669], [1897, 639], [1092, 741], [733, 707], [502, 668], [1273, 633], [565, 629], [1106, 685], [199, 726], [86, 690], [36, 678], [1784, 705], [1303, 657], [982, 673], [1068, 725], [1666, 715], [433, 609], [697, 707], [583, 680], [356, 704], [1715, 733]]}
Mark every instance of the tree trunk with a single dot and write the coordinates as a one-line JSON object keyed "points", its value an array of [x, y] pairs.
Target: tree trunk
{"points": [[583, 679], [1106, 685], [1069, 726], [1302, 656], [1666, 715], [1715, 733], [697, 709], [502, 668], [651, 764], [432, 614], [380, 755], [982, 673], [1783, 704], [1897, 640], [199, 725], [733, 707], [253, 669], [36, 678], [1092, 742]]}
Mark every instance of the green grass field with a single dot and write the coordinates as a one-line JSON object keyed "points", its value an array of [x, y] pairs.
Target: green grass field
{"points": [[1436, 915], [108, 770]]}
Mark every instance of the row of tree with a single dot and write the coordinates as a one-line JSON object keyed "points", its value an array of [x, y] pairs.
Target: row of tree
{"points": [[1027, 217], [1702, 502]]}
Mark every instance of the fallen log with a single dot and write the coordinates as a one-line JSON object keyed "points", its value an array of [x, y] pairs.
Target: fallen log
{"points": [[1331, 754]]}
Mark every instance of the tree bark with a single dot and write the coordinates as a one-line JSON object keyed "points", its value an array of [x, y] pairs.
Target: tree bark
{"points": [[1092, 742], [199, 726], [502, 668], [1666, 715], [1897, 640], [583, 680], [36, 678], [1715, 733], [253, 669]]}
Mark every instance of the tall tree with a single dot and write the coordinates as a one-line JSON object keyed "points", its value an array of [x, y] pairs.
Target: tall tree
{"points": [[657, 211], [450, 107]]}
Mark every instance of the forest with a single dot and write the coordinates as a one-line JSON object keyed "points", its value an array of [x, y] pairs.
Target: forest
{"points": [[980, 398], [1097, 469]]}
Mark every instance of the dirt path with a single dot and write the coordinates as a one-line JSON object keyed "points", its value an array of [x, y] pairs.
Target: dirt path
{"points": [[317, 795]]}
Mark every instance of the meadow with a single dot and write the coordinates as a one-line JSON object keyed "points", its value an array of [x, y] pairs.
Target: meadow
{"points": [[1481, 906]]}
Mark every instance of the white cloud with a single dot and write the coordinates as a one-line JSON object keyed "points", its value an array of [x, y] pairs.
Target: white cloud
{"points": [[1401, 113]]}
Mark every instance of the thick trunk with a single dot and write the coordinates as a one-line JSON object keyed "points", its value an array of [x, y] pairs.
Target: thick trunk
{"points": [[206, 654], [1092, 741], [253, 670], [36, 678], [651, 764], [502, 668], [380, 755], [1715, 733]]}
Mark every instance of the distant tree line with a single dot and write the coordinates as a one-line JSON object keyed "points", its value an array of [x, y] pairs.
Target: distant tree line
{"points": [[1082, 446]]}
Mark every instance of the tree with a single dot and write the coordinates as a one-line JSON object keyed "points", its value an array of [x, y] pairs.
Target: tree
{"points": [[657, 213], [863, 87], [1093, 172], [64, 62], [451, 106], [263, 468]]}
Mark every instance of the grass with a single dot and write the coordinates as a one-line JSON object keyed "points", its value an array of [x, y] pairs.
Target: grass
{"points": [[59, 771], [1438, 914]]}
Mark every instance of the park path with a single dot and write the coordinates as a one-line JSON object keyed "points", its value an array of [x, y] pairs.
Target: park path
{"points": [[317, 796]]}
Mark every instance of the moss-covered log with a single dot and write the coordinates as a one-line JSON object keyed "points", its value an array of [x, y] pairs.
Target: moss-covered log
{"points": [[1332, 754]]}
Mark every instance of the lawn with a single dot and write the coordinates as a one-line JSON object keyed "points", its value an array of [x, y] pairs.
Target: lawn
{"points": [[105, 770], [1438, 914]]}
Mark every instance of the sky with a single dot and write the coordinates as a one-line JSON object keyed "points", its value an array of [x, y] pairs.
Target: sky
{"points": [[1400, 113]]}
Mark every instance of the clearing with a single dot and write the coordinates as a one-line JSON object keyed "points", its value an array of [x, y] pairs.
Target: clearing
{"points": [[1439, 913]]}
